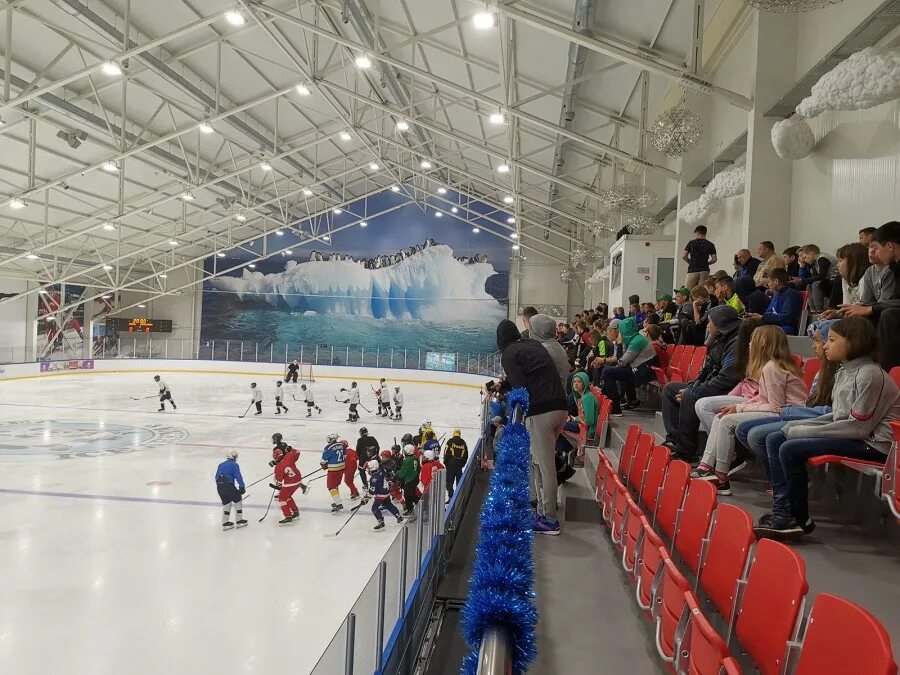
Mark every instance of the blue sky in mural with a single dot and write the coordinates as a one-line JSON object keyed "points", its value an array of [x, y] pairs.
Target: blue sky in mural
{"points": [[429, 300]]}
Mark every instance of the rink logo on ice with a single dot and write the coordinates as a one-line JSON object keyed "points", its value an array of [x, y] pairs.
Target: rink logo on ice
{"points": [[46, 439]]}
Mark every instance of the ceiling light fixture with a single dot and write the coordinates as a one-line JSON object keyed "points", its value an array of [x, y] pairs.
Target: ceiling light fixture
{"points": [[265, 166], [252, 266], [111, 68], [363, 61], [302, 89], [511, 220], [235, 18], [475, 230], [454, 210], [32, 256], [374, 167], [142, 306], [499, 118], [173, 242], [280, 233], [363, 223], [503, 168], [307, 192], [514, 235], [402, 125], [289, 252], [425, 164], [16, 203], [107, 267], [240, 217], [338, 212], [106, 297], [110, 167], [43, 291], [187, 196], [346, 136], [442, 190], [163, 276], [515, 247], [205, 128], [326, 237], [221, 255], [483, 20], [394, 188], [108, 226], [438, 214], [509, 199]]}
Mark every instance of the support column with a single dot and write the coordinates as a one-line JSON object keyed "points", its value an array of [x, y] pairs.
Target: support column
{"points": [[31, 323]]}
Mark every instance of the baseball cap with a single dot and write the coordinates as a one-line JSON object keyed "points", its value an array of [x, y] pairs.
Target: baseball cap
{"points": [[614, 323], [497, 419], [683, 291], [665, 296]]}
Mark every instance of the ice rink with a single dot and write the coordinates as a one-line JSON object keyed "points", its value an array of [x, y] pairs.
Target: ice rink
{"points": [[112, 556]]}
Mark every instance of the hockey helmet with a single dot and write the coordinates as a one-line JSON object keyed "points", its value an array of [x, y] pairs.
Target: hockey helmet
{"points": [[345, 444], [457, 433], [396, 388], [353, 384], [428, 455], [363, 431], [408, 449], [385, 454], [156, 378], [395, 449], [276, 438], [373, 465], [426, 423], [231, 454], [407, 439], [303, 387], [332, 437], [252, 385], [278, 383], [381, 380], [429, 435], [277, 454]]}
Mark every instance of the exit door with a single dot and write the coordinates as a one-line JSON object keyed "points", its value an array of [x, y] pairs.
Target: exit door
{"points": [[665, 276]]}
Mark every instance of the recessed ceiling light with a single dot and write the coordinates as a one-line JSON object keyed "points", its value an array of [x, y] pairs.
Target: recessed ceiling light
{"points": [[511, 220], [499, 118], [425, 164], [454, 210], [142, 306], [326, 237], [205, 127], [363, 223], [280, 233], [265, 166], [345, 136], [289, 252], [110, 167], [50, 318], [483, 20], [106, 297], [475, 230], [108, 226], [31, 256], [515, 247], [514, 235], [394, 188], [173, 242], [240, 217], [107, 267], [16, 203], [187, 196], [503, 168], [252, 266], [509, 199], [442, 190], [221, 255], [163, 276], [43, 291], [402, 125], [307, 192], [338, 212], [111, 68], [363, 61], [374, 167], [438, 214], [302, 89], [235, 18]]}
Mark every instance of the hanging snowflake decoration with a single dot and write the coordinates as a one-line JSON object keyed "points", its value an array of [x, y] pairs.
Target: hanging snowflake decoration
{"points": [[515, 275], [601, 227], [565, 276], [580, 257], [788, 6], [676, 131], [628, 197], [550, 310], [640, 222]]}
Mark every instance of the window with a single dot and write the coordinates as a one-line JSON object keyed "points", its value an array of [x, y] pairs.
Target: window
{"points": [[616, 275]]}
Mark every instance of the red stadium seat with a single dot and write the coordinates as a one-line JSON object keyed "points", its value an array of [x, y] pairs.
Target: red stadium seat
{"points": [[676, 356], [702, 650], [672, 497], [798, 360], [631, 532], [641, 460], [726, 556], [628, 447], [656, 472], [668, 605], [895, 375], [810, 368], [662, 378], [693, 523], [772, 603], [646, 565], [603, 479], [730, 667], [842, 637], [696, 364], [620, 508], [889, 476], [602, 423], [804, 313], [679, 368]]}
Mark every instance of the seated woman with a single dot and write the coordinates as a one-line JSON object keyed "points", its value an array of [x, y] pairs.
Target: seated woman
{"points": [[632, 370]]}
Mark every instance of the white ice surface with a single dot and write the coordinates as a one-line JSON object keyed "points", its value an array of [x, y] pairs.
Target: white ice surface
{"points": [[91, 583]]}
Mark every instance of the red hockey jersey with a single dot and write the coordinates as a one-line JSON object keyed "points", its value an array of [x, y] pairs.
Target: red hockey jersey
{"points": [[427, 473], [286, 472]]}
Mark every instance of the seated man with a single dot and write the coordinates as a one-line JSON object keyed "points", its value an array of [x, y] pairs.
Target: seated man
{"points": [[718, 376], [606, 353], [745, 264], [692, 317], [786, 305]]}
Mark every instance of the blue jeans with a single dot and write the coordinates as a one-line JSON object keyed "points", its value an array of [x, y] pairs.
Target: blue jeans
{"points": [[752, 433], [563, 445], [787, 468]]}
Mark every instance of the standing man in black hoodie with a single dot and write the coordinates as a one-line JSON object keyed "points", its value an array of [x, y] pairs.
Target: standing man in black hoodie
{"points": [[528, 364], [366, 450], [717, 377]]}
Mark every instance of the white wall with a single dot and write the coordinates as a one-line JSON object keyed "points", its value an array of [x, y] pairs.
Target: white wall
{"points": [[726, 233], [820, 31], [14, 323]]}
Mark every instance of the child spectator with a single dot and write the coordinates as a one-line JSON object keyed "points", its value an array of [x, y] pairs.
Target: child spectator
{"points": [[588, 411], [786, 304], [692, 318], [635, 312], [853, 261], [790, 255], [618, 313], [817, 271], [665, 308], [779, 385], [864, 404], [654, 333], [606, 353], [725, 293]]}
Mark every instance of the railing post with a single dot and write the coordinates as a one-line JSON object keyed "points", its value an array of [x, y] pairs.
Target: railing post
{"points": [[272, 353], [346, 358], [242, 351], [317, 354], [301, 352], [167, 349], [350, 644], [285, 352], [404, 553], [377, 356], [256, 355], [182, 348], [392, 357], [379, 618], [404, 359], [419, 362], [362, 357], [227, 345], [332, 356]]}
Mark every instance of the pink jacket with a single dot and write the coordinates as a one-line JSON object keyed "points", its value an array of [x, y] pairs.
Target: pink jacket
{"points": [[777, 388], [746, 388]]}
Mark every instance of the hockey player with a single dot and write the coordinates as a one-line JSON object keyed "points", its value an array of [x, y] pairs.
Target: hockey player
{"points": [[164, 394], [384, 400], [230, 485], [398, 404], [366, 449], [292, 371], [419, 438], [408, 475], [430, 463], [350, 464], [456, 455], [256, 397], [278, 442], [333, 463], [287, 480], [353, 400], [310, 400], [380, 491], [279, 397]]}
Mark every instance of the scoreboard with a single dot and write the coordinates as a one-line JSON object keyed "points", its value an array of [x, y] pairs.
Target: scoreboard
{"points": [[138, 325]]}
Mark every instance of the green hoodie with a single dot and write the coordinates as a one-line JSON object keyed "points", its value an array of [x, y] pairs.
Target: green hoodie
{"points": [[588, 404], [409, 470], [631, 337]]}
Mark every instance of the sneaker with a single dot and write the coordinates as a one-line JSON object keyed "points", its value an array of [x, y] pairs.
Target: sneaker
{"points": [[227, 525], [544, 526], [780, 528], [703, 472], [809, 527], [379, 526], [765, 520], [723, 487], [632, 405], [737, 465], [616, 412], [241, 523]]}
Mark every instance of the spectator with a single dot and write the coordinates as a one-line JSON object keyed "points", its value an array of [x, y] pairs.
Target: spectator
{"points": [[681, 296], [603, 310], [791, 258], [656, 335], [853, 261], [886, 312], [543, 329], [866, 235], [634, 299], [699, 253], [754, 300], [786, 305], [632, 370], [634, 309], [780, 384], [527, 313], [726, 295], [877, 285], [498, 423], [710, 285], [769, 261], [607, 352], [817, 271], [746, 264], [718, 376], [865, 403], [618, 313], [527, 364], [692, 318], [588, 411]]}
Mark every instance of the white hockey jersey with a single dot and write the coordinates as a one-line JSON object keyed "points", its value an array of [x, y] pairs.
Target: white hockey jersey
{"points": [[255, 395], [385, 394], [163, 387], [308, 395], [398, 398], [354, 395], [279, 392]]}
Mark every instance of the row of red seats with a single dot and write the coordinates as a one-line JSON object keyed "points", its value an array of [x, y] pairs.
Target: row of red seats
{"points": [[652, 507]]}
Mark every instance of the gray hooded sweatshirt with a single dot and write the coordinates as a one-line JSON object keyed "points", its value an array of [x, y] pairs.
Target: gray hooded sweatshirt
{"points": [[864, 404], [543, 329]]}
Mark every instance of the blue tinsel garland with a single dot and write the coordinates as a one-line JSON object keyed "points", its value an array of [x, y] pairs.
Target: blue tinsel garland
{"points": [[501, 590]]}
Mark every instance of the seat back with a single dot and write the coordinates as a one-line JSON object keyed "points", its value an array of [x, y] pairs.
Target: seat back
{"points": [[602, 478], [726, 556], [842, 637], [771, 605], [686, 357], [602, 420], [672, 496], [798, 360], [810, 368], [631, 531], [693, 525], [676, 356], [696, 364], [627, 455], [895, 375], [804, 313], [656, 471], [619, 509], [649, 558], [668, 604], [703, 649], [641, 460]]}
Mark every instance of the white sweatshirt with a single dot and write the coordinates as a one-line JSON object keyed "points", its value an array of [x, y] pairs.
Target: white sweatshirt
{"points": [[398, 398], [255, 395]]}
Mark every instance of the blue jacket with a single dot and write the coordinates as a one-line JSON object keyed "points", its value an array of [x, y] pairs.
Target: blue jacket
{"points": [[784, 310], [432, 445], [749, 269], [380, 485], [333, 456], [229, 469]]}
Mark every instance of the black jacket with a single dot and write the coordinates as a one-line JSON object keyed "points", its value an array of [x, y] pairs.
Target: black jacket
{"points": [[894, 302], [366, 448], [528, 364], [719, 373]]}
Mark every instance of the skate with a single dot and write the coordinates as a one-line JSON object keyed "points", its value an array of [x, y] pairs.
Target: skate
{"points": [[399, 519], [353, 498], [379, 526], [174, 407], [277, 412], [161, 410], [285, 410], [241, 523], [286, 520], [308, 413], [259, 413], [349, 419], [227, 525], [318, 411], [335, 508], [304, 489], [295, 515]]}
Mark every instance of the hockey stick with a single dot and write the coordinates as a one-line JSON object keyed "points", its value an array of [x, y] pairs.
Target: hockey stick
{"points": [[346, 522], [240, 417], [268, 507], [141, 398], [259, 481], [364, 408]]}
